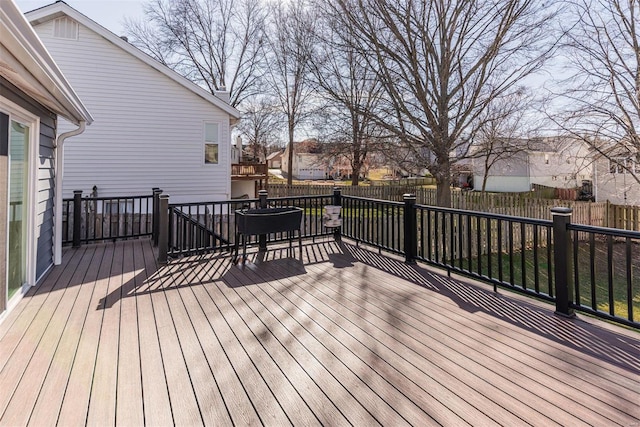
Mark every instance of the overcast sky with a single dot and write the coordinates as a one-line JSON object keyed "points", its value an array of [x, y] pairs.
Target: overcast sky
{"points": [[108, 13]]}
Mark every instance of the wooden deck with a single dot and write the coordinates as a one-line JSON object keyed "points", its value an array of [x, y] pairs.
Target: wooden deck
{"points": [[342, 336]]}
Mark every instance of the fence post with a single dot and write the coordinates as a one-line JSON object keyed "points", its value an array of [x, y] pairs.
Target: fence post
{"points": [[163, 228], [154, 217], [77, 217], [410, 229], [337, 201], [262, 238], [562, 260]]}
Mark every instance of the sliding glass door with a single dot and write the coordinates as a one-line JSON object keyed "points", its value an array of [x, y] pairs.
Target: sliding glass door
{"points": [[18, 209]]}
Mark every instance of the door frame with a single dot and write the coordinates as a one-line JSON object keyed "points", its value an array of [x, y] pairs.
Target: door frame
{"points": [[25, 117]]}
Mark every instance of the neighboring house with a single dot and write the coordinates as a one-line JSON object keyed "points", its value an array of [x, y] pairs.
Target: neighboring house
{"points": [[551, 161], [274, 160], [614, 180], [153, 127], [248, 177], [33, 92], [307, 160]]}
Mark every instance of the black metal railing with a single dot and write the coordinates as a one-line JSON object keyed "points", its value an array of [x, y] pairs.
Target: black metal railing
{"points": [[198, 227], [375, 222], [606, 263], [585, 268], [94, 219], [507, 251]]}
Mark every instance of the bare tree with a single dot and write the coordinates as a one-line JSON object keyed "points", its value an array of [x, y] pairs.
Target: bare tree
{"points": [[503, 131], [441, 62], [350, 91], [289, 51], [217, 44], [602, 103], [260, 124]]}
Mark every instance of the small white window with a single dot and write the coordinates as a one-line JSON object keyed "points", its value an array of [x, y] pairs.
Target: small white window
{"points": [[65, 28], [211, 139]]}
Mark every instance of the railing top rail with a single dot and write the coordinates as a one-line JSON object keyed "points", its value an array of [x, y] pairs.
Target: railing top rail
{"points": [[511, 218], [300, 197], [604, 230], [379, 201], [216, 202], [107, 198]]}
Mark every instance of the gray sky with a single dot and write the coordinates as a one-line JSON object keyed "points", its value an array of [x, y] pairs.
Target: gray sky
{"points": [[108, 13]]}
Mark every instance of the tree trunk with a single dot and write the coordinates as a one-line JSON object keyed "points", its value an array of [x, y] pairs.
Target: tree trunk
{"points": [[485, 178], [355, 173], [290, 164], [443, 190]]}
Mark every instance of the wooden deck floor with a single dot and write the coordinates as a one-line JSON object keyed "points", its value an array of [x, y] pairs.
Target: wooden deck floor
{"points": [[342, 336]]}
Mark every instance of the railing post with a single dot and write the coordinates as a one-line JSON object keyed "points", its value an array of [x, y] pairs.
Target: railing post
{"points": [[410, 229], [155, 222], [163, 228], [262, 238], [77, 217], [562, 260], [337, 201]]}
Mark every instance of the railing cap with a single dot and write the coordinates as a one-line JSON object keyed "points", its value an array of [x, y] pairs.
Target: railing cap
{"points": [[409, 196], [560, 210], [77, 191]]}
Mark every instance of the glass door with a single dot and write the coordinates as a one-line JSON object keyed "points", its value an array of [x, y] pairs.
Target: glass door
{"points": [[18, 209]]}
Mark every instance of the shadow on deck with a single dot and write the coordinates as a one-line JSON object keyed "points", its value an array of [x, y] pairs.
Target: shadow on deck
{"points": [[337, 335]]}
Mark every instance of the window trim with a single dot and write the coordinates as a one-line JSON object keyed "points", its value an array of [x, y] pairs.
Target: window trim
{"points": [[205, 142]]}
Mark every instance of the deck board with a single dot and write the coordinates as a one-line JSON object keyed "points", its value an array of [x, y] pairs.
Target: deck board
{"points": [[129, 402], [337, 335], [156, 400]]}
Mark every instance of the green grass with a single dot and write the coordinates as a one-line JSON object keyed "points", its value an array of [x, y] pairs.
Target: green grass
{"points": [[600, 279]]}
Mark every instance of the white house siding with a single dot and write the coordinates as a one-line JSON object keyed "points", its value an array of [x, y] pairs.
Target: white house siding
{"points": [[563, 169], [503, 184], [617, 188], [308, 166], [148, 129]]}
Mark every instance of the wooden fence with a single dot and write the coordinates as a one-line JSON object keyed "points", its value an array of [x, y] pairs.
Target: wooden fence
{"points": [[601, 214]]}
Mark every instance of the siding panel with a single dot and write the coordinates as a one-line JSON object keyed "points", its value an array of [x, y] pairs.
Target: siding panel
{"points": [[148, 129]]}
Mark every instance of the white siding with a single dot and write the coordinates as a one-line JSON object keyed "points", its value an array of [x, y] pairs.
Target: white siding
{"points": [[503, 184], [618, 188], [148, 129]]}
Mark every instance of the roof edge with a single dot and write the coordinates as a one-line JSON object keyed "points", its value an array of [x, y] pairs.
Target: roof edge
{"points": [[54, 10]]}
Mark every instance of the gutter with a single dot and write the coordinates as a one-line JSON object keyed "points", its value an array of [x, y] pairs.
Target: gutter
{"points": [[57, 230]]}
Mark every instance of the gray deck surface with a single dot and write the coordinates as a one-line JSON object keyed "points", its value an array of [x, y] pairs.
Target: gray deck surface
{"points": [[338, 336]]}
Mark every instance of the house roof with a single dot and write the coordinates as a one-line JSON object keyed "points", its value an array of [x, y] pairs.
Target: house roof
{"points": [[274, 155], [60, 8], [26, 63], [308, 146]]}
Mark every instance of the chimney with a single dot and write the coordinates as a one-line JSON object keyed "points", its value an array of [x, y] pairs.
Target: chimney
{"points": [[223, 94]]}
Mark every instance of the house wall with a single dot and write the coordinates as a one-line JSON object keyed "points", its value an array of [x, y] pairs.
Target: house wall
{"points": [[617, 188], [563, 169], [148, 129], [505, 175], [45, 186], [502, 184], [308, 166]]}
